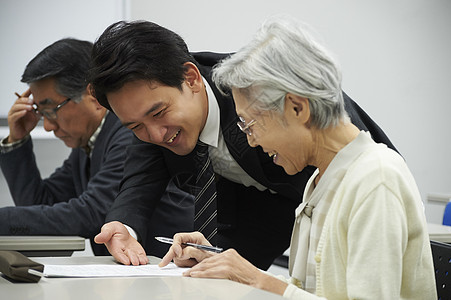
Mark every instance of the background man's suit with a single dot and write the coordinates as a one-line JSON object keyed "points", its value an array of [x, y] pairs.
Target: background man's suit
{"points": [[257, 224], [73, 200]]}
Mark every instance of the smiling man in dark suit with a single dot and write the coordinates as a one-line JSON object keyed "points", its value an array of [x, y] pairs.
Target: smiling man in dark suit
{"points": [[75, 198], [145, 74]]}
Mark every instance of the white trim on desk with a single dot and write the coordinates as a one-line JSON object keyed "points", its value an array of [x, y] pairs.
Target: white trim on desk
{"points": [[441, 198], [37, 133], [439, 233]]}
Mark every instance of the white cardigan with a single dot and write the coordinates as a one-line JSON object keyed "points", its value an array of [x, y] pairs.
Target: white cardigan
{"points": [[374, 243]]}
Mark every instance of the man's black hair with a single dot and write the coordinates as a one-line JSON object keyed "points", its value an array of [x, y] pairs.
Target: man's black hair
{"points": [[139, 50], [68, 61]]}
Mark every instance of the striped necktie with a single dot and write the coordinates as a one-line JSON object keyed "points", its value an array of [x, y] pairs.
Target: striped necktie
{"points": [[205, 218]]}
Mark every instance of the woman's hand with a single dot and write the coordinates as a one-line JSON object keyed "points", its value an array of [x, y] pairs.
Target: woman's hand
{"points": [[227, 265], [230, 265], [185, 256]]}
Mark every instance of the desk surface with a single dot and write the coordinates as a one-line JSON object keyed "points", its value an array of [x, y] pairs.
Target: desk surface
{"points": [[439, 233], [183, 288], [43, 245]]}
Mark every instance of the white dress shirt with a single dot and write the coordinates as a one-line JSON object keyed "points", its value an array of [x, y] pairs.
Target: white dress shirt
{"points": [[223, 162]]}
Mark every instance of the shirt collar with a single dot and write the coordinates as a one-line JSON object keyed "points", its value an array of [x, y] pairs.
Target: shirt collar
{"points": [[210, 133], [93, 138]]}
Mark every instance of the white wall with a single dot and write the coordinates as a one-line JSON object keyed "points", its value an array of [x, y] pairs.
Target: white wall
{"points": [[395, 56], [28, 26]]}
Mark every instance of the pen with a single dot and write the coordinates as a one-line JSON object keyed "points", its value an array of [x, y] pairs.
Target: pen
{"points": [[202, 247], [17, 94]]}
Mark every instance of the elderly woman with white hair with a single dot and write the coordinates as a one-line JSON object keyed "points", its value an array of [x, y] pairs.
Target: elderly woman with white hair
{"points": [[360, 232]]}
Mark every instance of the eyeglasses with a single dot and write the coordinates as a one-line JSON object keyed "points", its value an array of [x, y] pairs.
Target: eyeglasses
{"points": [[246, 128], [50, 113]]}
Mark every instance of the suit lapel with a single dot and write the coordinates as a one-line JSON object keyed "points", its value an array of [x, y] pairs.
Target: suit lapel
{"points": [[97, 152]]}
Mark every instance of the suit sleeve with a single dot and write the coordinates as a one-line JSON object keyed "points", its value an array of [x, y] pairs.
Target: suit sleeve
{"points": [[24, 179], [81, 215], [145, 180]]}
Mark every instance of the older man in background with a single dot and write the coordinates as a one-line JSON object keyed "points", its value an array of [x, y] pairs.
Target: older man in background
{"points": [[76, 197]]}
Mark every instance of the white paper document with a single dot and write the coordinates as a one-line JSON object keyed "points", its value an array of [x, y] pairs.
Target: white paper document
{"points": [[111, 270]]}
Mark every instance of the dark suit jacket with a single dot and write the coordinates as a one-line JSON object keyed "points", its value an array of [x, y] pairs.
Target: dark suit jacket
{"points": [[257, 224], [70, 202]]}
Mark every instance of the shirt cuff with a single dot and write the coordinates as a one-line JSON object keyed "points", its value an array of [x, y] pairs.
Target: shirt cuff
{"points": [[6, 147], [132, 232]]}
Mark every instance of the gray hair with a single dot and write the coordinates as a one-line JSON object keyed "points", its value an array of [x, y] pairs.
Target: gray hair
{"points": [[284, 58], [67, 61]]}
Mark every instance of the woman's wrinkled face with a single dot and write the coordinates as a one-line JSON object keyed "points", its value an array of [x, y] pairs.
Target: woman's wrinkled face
{"points": [[282, 136]]}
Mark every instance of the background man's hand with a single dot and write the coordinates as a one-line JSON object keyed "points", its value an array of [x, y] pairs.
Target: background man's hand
{"points": [[22, 118]]}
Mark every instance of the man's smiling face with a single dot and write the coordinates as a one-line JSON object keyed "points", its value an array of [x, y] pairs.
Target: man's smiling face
{"points": [[162, 115]]}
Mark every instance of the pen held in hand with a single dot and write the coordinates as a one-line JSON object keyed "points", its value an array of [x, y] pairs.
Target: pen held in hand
{"points": [[17, 94], [201, 247]]}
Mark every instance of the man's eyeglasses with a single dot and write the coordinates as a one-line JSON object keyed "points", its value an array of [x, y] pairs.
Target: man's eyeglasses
{"points": [[50, 113], [246, 128]]}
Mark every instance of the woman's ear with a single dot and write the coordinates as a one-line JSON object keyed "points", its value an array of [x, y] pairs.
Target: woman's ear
{"points": [[297, 107], [193, 77]]}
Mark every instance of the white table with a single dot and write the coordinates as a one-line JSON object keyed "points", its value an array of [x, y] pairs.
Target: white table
{"points": [[133, 288], [439, 233], [37, 245]]}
